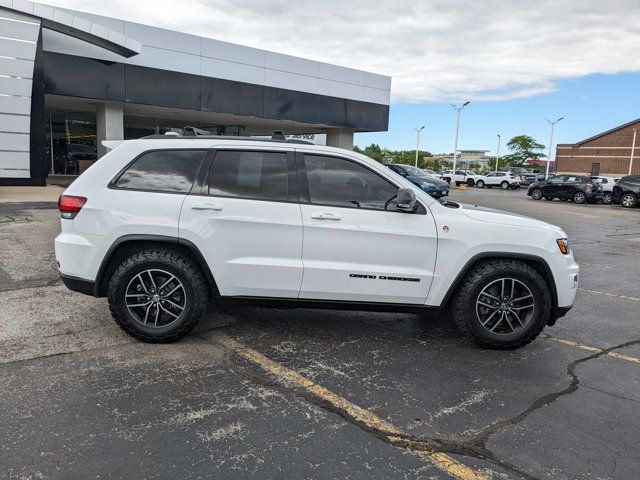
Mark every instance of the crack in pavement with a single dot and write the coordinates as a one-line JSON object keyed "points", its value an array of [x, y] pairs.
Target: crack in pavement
{"points": [[26, 284]]}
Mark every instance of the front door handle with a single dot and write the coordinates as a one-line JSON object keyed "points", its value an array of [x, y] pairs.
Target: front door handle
{"points": [[205, 206], [325, 216]]}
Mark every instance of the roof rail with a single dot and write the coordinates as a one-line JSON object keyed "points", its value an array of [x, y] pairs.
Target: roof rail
{"points": [[206, 135]]}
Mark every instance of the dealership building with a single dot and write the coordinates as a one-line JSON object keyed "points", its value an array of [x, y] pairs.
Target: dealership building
{"points": [[607, 153], [69, 80]]}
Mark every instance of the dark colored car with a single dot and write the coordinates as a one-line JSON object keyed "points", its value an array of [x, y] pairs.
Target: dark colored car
{"points": [[527, 177], [433, 186], [578, 188], [627, 191]]}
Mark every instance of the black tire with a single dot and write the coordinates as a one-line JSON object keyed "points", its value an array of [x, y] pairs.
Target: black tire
{"points": [[195, 290], [628, 200], [448, 180], [463, 304], [470, 182], [549, 198], [579, 197], [505, 185], [607, 198], [537, 194], [480, 184]]}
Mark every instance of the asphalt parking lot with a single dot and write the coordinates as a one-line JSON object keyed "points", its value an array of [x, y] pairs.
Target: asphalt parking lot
{"points": [[261, 393]]}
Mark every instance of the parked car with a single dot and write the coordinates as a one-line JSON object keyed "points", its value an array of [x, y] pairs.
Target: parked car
{"points": [[431, 173], [526, 176], [626, 191], [504, 180], [578, 188], [433, 186], [460, 177], [163, 225], [607, 184]]}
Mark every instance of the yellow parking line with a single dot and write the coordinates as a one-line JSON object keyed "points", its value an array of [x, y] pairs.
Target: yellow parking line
{"points": [[607, 294], [588, 348], [360, 415]]}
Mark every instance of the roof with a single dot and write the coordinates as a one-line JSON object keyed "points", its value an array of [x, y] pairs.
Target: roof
{"points": [[619, 127]]}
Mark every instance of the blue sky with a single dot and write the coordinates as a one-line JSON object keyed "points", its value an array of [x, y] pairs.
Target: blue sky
{"points": [[589, 105]]}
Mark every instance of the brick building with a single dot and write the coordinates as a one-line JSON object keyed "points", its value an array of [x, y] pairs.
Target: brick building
{"points": [[607, 153]]}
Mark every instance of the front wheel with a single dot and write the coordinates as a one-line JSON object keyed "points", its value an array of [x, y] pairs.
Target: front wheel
{"points": [[628, 200], [579, 197], [537, 194], [502, 304], [505, 185], [157, 295], [470, 182], [606, 198], [480, 184]]}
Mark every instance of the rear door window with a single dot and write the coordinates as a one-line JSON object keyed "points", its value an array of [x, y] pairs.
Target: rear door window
{"points": [[170, 171]]}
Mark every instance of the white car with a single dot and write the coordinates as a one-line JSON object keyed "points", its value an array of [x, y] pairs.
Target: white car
{"points": [[430, 173], [460, 176], [607, 187], [162, 225], [504, 180]]}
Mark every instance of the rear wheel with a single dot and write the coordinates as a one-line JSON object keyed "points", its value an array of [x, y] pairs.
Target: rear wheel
{"points": [[471, 182], [628, 200], [504, 185], [157, 295], [606, 198], [537, 194], [502, 304], [579, 197], [480, 184]]}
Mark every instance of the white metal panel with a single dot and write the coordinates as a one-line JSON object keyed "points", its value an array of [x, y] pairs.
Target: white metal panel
{"points": [[287, 63], [63, 17], [19, 29], [15, 142], [15, 86], [44, 11], [340, 89], [16, 68], [23, 5], [238, 72], [14, 160], [166, 60], [234, 53], [20, 105], [109, 22], [291, 81], [341, 74], [162, 38], [11, 173], [374, 95], [374, 80], [15, 123], [61, 43], [81, 24], [17, 49]]}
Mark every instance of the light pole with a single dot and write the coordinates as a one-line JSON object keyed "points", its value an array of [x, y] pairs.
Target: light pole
{"points": [[418, 130], [458, 109], [633, 150], [553, 124], [498, 153]]}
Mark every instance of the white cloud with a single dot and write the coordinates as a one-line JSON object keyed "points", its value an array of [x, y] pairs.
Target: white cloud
{"points": [[435, 51]]}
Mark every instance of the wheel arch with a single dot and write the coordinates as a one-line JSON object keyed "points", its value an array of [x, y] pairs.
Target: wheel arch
{"points": [[539, 263], [126, 244]]}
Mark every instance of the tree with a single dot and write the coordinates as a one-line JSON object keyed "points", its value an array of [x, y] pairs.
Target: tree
{"points": [[522, 148], [383, 155]]}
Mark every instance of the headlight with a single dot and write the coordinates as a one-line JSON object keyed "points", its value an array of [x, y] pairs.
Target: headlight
{"points": [[563, 245]]}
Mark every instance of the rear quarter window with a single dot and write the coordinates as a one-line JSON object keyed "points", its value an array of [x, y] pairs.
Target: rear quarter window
{"points": [[171, 171]]}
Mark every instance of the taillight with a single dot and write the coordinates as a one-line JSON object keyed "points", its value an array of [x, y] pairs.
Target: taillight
{"points": [[589, 186], [70, 205]]}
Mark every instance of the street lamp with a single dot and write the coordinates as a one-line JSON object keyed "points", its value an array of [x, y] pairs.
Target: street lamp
{"points": [[458, 109], [553, 124], [633, 150], [418, 130], [498, 153]]}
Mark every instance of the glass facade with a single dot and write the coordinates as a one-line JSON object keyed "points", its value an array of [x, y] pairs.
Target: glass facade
{"points": [[72, 144]]}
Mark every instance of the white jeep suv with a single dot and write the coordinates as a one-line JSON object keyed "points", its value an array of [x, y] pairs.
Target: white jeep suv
{"points": [[166, 227]]}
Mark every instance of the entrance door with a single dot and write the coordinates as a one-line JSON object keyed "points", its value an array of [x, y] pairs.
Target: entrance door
{"points": [[248, 224], [595, 169], [356, 246]]}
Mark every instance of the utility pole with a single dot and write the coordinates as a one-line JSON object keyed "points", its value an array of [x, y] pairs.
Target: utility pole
{"points": [[633, 150], [553, 124], [418, 130], [458, 109], [498, 153]]}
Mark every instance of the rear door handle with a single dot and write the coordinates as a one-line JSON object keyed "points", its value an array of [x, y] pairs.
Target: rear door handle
{"points": [[205, 206], [325, 216]]}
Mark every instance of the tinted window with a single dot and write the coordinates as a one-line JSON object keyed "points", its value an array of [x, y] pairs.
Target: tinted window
{"points": [[335, 181], [556, 179], [163, 171], [573, 180], [500, 174], [257, 175]]}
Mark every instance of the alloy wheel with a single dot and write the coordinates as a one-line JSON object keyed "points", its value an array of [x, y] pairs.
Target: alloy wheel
{"points": [[505, 306], [536, 194], [628, 200], [155, 298], [579, 197]]}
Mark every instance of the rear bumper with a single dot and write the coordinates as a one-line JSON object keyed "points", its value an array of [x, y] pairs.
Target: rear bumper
{"points": [[558, 312], [79, 285]]}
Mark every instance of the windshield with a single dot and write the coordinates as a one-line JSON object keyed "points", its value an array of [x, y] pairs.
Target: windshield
{"points": [[411, 170]]}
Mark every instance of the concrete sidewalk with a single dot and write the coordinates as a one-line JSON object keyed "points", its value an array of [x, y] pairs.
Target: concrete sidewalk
{"points": [[50, 193]]}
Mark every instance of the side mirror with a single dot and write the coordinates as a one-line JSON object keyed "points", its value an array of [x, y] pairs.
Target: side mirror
{"points": [[406, 200]]}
